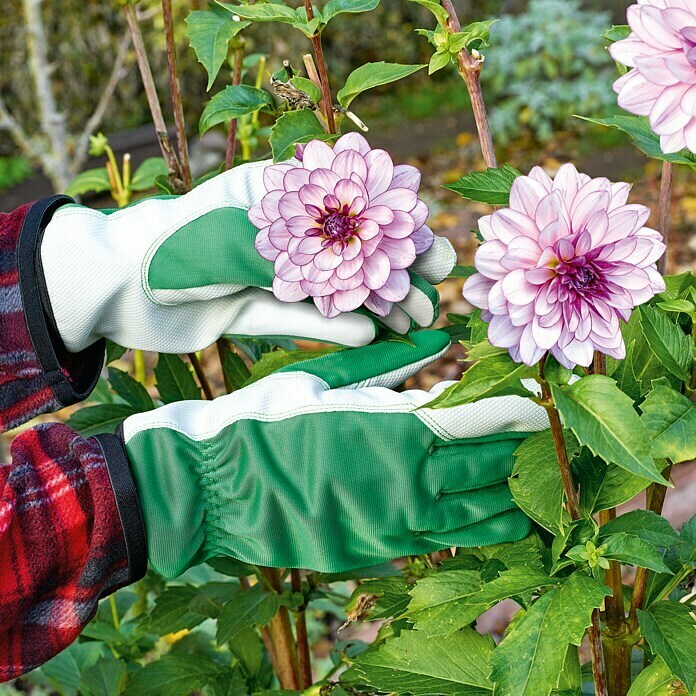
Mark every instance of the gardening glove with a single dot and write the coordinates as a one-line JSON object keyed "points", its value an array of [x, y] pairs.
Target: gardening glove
{"points": [[174, 275], [322, 466]]}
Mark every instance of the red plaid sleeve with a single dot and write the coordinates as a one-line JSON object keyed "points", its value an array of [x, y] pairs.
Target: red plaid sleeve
{"points": [[37, 374], [62, 541]]}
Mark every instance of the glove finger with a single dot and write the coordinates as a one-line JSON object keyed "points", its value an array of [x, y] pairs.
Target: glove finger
{"points": [[437, 263], [511, 525], [263, 315], [418, 309], [383, 364]]}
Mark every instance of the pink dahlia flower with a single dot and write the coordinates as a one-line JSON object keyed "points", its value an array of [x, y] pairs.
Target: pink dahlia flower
{"points": [[342, 226], [661, 49], [562, 265]]}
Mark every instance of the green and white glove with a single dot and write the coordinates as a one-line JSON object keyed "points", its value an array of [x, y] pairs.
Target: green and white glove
{"points": [[322, 466], [174, 275]]}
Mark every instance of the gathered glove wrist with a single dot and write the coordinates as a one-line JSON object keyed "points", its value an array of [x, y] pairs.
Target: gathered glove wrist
{"points": [[322, 466], [175, 274]]}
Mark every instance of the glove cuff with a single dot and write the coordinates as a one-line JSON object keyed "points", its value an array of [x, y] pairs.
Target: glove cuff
{"points": [[37, 373], [127, 503]]}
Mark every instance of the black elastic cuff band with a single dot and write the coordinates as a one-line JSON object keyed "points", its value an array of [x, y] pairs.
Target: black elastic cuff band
{"points": [[128, 504], [68, 385]]}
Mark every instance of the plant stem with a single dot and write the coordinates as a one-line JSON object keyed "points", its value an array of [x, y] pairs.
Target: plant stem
{"points": [[177, 105], [614, 603], [663, 211], [654, 498], [114, 612], [617, 653], [173, 166], [303, 651], [202, 379], [139, 370], [287, 668], [232, 130], [326, 101], [470, 70]]}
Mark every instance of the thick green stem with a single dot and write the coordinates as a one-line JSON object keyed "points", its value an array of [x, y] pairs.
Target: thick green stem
{"points": [[139, 370], [617, 654]]}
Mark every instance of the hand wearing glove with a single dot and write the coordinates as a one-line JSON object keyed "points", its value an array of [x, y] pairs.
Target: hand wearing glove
{"points": [[174, 275], [322, 466]]}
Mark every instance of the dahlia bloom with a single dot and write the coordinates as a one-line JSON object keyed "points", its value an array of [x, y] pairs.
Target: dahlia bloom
{"points": [[562, 265], [342, 226], [661, 49]]}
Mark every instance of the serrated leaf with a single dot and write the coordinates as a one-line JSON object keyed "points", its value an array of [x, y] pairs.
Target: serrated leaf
{"points": [[678, 287], [336, 7], [687, 551], [273, 361], [373, 75], [147, 172], [671, 346], [130, 390], [255, 607], [175, 381], [638, 128], [528, 660], [617, 32], [265, 12], [104, 418], [461, 272], [295, 127], [603, 419], [91, 181], [210, 32], [536, 483], [234, 101], [174, 675], [437, 9], [656, 680], [492, 186], [415, 663], [632, 550], [670, 630], [113, 351], [230, 566], [308, 87], [645, 524], [235, 369], [377, 599], [670, 419], [66, 668], [106, 678]]}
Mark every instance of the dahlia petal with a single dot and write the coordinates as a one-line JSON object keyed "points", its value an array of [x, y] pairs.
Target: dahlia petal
{"points": [[289, 205], [396, 288], [539, 276], [310, 245], [646, 22], [352, 249], [380, 172], [538, 174], [270, 205], [672, 143], [568, 182], [314, 275], [497, 302], [397, 199], [257, 218], [370, 245], [406, 176], [423, 239], [525, 195], [402, 225], [508, 224], [401, 252], [690, 135], [301, 225], [349, 267], [657, 282], [311, 194], [419, 214], [587, 207], [530, 352], [597, 227], [278, 235], [619, 194], [377, 305], [326, 260], [273, 176], [368, 229], [318, 155], [476, 290], [317, 289], [545, 336], [347, 191], [264, 246], [549, 209], [295, 179], [288, 292], [666, 116], [352, 141], [487, 259], [521, 315], [326, 306], [350, 162], [350, 283], [484, 225], [655, 70], [553, 232], [502, 334], [522, 252], [517, 289], [298, 257], [579, 352], [688, 101], [285, 269], [326, 178], [676, 18], [627, 50], [636, 94], [382, 215], [376, 269]]}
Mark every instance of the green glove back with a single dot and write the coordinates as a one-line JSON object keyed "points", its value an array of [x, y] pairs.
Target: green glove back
{"points": [[316, 467]]}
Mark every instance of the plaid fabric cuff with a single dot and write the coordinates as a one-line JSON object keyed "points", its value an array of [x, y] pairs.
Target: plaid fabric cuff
{"points": [[62, 543], [37, 374]]}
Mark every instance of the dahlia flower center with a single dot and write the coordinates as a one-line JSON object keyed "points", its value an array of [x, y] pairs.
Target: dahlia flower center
{"points": [[339, 227], [579, 275]]}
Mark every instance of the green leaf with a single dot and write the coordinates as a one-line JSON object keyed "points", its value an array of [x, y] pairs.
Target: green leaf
{"points": [[645, 524], [273, 361], [91, 181], [677, 306], [106, 678], [687, 551], [655, 680], [643, 137], [373, 75], [113, 351], [147, 172], [492, 186], [449, 600], [175, 380], [255, 607], [174, 675], [415, 663], [104, 418], [617, 32], [295, 127], [632, 550], [671, 346], [66, 668], [235, 369], [603, 419], [461, 272], [377, 599], [172, 613], [234, 101], [437, 9], [529, 659], [230, 566], [536, 484], [497, 375], [670, 631], [438, 60], [670, 419], [265, 12], [130, 390], [308, 87], [679, 287], [210, 32], [336, 7]]}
